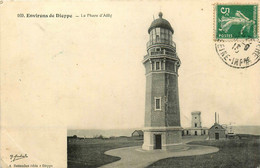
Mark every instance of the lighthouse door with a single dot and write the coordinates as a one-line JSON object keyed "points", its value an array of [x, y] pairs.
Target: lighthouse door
{"points": [[158, 141]]}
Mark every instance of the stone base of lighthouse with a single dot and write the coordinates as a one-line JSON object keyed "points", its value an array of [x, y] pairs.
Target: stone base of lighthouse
{"points": [[165, 138]]}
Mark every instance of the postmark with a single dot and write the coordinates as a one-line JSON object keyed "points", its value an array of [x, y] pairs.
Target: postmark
{"points": [[239, 54], [236, 34], [236, 21]]}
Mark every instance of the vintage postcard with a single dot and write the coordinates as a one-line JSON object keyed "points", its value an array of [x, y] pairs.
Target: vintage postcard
{"points": [[130, 84]]}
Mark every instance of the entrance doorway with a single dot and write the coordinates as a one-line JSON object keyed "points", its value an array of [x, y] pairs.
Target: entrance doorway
{"points": [[217, 136], [158, 141]]}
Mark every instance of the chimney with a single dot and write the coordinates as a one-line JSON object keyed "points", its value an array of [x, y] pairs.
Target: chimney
{"points": [[215, 117]]}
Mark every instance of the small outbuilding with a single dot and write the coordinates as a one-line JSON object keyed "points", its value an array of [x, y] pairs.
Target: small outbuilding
{"points": [[138, 133], [217, 132]]}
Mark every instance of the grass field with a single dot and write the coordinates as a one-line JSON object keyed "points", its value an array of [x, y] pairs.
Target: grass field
{"points": [[89, 153], [243, 153]]}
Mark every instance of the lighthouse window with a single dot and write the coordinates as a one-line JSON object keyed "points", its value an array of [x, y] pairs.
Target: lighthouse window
{"points": [[157, 38], [153, 32], [162, 30], [157, 103], [163, 36], [157, 66], [157, 31]]}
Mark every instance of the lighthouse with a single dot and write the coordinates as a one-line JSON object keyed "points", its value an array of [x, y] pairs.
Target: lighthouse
{"points": [[162, 127]]}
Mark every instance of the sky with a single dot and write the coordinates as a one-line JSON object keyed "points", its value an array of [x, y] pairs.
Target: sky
{"points": [[87, 73]]}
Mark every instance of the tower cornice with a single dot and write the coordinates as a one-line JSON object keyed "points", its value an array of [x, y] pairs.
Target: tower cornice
{"points": [[162, 72], [149, 57], [162, 128], [151, 44]]}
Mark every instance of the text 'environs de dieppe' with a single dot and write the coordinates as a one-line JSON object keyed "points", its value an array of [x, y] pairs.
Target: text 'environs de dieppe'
{"points": [[65, 16]]}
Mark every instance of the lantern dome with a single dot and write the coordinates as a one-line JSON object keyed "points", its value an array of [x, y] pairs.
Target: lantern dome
{"points": [[160, 23]]}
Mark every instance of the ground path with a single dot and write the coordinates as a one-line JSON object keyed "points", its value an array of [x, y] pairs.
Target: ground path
{"points": [[138, 158]]}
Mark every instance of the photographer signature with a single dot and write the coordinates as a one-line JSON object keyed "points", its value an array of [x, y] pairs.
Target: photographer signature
{"points": [[17, 157]]}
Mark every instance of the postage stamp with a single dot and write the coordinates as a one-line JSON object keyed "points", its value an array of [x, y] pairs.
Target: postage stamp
{"points": [[236, 34], [236, 21]]}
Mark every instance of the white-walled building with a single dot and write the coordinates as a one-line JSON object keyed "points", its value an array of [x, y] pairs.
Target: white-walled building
{"points": [[196, 126]]}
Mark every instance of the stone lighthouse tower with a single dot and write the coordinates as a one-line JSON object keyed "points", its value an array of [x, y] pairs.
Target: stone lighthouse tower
{"points": [[162, 129]]}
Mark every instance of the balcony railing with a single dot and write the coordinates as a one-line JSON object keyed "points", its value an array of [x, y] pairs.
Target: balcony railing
{"points": [[163, 52], [160, 41]]}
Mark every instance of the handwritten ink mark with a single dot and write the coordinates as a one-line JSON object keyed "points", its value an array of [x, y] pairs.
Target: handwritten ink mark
{"points": [[17, 157]]}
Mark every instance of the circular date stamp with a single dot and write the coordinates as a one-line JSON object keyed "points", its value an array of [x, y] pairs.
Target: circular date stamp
{"points": [[239, 54]]}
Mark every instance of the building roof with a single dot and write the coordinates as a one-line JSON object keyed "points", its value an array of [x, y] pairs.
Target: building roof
{"points": [[140, 132], [195, 112], [217, 125], [162, 23]]}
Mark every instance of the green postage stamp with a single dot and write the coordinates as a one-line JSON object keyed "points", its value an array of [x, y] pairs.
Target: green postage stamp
{"points": [[236, 21], [236, 34]]}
